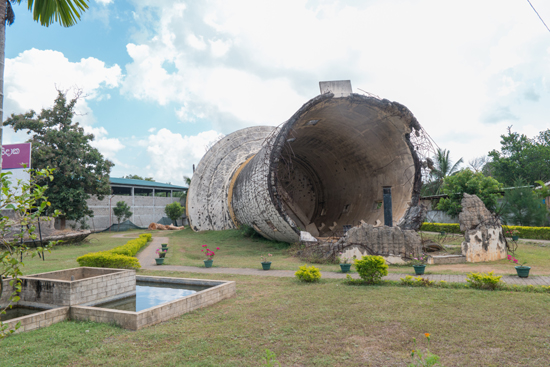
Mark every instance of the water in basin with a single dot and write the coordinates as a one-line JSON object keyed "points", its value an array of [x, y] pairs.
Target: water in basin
{"points": [[18, 311], [150, 294]]}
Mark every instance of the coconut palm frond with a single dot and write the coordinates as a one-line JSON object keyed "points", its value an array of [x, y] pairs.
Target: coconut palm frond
{"points": [[66, 12], [10, 15]]}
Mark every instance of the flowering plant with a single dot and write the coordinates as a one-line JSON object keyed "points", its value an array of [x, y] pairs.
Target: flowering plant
{"points": [[516, 261], [512, 232], [209, 253], [419, 260], [161, 252], [344, 260], [265, 258]]}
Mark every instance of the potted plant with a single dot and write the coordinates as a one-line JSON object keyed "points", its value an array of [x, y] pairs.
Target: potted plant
{"points": [[521, 269], [160, 259], [161, 253], [514, 233], [266, 265], [165, 246], [209, 256], [419, 264], [345, 263]]}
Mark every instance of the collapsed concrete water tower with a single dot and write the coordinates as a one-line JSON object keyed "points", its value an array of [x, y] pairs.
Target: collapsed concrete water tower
{"points": [[342, 158]]}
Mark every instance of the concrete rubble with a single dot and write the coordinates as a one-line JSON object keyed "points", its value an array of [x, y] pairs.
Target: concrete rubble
{"points": [[396, 245], [483, 236]]}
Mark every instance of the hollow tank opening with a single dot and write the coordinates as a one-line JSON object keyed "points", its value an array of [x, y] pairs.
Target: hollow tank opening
{"points": [[335, 163]]}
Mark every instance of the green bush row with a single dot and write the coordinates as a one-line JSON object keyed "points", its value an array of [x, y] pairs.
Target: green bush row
{"points": [[119, 257], [132, 247], [533, 233], [107, 260]]}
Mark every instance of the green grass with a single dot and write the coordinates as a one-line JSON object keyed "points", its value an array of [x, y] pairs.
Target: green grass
{"points": [[237, 251], [324, 324], [64, 256]]}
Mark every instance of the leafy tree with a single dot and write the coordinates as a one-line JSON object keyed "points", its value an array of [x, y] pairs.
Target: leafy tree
{"points": [[136, 177], [523, 207], [486, 188], [45, 12], [122, 211], [521, 158], [27, 200], [57, 142], [174, 211], [443, 167]]}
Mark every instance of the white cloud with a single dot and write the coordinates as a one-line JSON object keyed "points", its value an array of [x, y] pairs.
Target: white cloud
{"points": [[34, 76], [104, 2], [465, 75], [152, 130], [172, 155], [32, 81]]}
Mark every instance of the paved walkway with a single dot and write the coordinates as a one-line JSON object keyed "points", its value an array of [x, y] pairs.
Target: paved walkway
{"points": [[148, 255]]}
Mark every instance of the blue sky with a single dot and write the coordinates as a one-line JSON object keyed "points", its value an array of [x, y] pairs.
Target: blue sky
{"points": [[164, 79]]}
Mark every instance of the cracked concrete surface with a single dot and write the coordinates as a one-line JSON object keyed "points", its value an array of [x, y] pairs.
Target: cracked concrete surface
{"points": [[322, 169]]}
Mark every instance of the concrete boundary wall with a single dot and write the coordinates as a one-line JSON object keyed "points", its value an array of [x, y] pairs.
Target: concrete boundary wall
{"points": [[145, 210]]}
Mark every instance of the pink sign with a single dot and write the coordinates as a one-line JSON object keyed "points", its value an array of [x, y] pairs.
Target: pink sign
{"points": [[14, 155]]}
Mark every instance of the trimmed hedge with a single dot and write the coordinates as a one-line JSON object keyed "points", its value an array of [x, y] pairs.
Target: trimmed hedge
{"points": [[119, 257], [530, 233], [438, 227], [106, 260]]}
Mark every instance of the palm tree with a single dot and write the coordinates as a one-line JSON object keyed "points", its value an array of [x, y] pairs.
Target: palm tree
{"points": [[443, 167], [46, 12]]}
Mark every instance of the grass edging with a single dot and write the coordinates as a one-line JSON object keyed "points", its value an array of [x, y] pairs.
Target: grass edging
{"points": [[450, 285]]}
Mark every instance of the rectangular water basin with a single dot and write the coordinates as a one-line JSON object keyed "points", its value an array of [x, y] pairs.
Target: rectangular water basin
{"points": [[18, 311], [157, 299], [149, 294]]}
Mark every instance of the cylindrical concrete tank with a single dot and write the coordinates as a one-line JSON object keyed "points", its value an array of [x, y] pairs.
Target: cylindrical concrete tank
{"points": [[324, 169]]}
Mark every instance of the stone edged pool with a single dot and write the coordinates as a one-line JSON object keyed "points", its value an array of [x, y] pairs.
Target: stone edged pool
{"points": [[151, 294]]}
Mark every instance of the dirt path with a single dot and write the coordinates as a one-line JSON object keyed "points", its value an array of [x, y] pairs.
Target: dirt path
{"points": [[147, 256]]}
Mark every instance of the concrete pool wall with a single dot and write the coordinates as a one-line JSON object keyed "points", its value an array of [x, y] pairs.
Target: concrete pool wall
{"points": [[219, 290]]}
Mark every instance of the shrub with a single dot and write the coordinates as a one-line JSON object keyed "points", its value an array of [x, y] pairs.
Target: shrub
{"points": [[416, 281], [534, 233], [108, 260], [308, 274], [371, 268], [119, 257], [132, 247], [484, 281]]}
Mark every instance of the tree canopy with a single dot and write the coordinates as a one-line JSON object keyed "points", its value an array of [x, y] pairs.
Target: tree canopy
{"points": [[443, 167], [122, 211], [486, 188], [521, 158], [174, 211], [523, 206], [57, 142], [136, 177]]}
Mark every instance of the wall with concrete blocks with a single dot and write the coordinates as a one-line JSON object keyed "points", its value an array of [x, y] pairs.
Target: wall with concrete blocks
{"points": [[39, 319], [44, 292], [145, 210]]}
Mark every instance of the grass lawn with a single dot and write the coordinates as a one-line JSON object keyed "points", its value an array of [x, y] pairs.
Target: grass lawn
{"points": [[237, 251], [324, 324], [64, 256]]}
